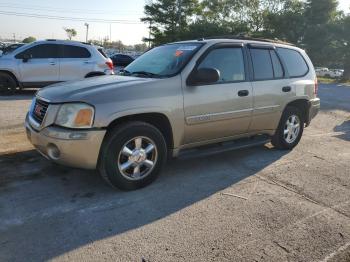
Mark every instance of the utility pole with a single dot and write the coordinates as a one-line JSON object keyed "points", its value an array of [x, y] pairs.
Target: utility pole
{"points": [[14, 37], [110, 33], [149, 34], [87, 32]]}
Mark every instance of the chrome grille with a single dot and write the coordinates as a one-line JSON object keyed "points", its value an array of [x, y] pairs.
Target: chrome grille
{"points": [[39, 110]]}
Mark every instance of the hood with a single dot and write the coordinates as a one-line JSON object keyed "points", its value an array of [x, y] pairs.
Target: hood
{"points": [[88, 89]]}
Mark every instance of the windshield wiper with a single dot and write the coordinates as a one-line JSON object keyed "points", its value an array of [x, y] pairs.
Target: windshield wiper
{"points": [[145, 73]]}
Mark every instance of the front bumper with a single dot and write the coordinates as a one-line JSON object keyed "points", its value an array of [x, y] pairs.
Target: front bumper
{"points": [[314, 108], [76, 148]]}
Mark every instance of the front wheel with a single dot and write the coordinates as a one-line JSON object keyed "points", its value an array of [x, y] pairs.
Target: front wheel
{"points": [[290, 129], [132, 155], [7, 84]]}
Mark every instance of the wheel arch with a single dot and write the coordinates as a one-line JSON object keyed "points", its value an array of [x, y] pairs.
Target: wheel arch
{"points": [[159, 120], [11, 74], [303, 105]]}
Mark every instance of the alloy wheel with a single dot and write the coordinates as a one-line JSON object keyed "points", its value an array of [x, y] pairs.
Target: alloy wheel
{"points": [[291, 129], [137, 158]]}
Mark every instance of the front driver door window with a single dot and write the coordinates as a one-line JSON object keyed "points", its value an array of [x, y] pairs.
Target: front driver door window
{"points": [[217, 110]]}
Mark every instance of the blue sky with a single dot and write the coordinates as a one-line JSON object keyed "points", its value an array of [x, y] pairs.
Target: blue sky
{"points": [[131, 10], [45, 28]]}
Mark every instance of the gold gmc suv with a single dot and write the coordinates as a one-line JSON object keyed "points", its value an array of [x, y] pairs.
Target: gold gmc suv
{"points": [[179, 99]]}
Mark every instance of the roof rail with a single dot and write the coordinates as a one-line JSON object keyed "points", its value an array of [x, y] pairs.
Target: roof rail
{"points": [[245, 37], [51, 40]]}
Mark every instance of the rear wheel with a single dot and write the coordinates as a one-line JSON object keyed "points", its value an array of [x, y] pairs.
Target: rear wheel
{"points": [[7, 84], [290, 129], [132, 155]]}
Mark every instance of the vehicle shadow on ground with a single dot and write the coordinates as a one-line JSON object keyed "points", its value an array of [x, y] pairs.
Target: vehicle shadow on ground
{"points": [[345, 129], [23, 94], [61, 209]]}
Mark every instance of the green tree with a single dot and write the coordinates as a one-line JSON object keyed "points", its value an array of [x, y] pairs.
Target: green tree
{"points": [[29, 39], [168, 18], [321, 17], [344, 45], [71, 32], [288, 24]]}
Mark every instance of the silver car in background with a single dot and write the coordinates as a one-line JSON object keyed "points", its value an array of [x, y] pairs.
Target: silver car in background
{"points": [[45, 62]]}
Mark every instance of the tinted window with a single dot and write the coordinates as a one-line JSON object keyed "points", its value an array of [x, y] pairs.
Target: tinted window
{"points": [[294, 62], [122, 57], [277, 67], [41, 51], [70, 51], [102, 52], [229, 62], [262, 64], [164, 61]]}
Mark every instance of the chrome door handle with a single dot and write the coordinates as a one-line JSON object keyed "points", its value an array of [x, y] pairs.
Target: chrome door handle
{"points": [[52, 63]]}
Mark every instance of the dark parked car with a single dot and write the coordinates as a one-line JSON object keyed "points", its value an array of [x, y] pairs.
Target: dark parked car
{"points": [[121, 60]]}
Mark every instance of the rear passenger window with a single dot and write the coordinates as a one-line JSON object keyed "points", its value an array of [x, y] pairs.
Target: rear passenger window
{"points": [[262, 64], [229, 61], [70, 51], [294, 62], [276, 63]]}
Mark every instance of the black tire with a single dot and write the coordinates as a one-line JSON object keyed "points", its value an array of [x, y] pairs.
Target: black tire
{"points": [[279, 139], [113, 144], [8, 84]]}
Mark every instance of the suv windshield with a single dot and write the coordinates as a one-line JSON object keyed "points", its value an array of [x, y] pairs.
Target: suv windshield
{"points": [[163, 61]]}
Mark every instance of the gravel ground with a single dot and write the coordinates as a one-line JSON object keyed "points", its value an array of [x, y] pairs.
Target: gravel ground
{"points": [[257, 204]]}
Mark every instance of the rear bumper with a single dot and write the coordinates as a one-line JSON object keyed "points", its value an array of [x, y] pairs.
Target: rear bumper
{"points": [[67, 147], [314, 108]]}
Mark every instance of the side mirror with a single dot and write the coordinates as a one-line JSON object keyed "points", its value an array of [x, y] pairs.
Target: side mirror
{"points": [[204, 76], [26, 57]]}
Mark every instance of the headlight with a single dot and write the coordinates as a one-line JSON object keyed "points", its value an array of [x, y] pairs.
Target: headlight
{"points": [[75, 115]]}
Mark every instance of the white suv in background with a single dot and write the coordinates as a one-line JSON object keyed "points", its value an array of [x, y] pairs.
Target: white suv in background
{"points": [[45, 62]]}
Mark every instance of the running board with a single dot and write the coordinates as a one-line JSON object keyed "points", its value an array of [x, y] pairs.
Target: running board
{"points": [[224, 147]]}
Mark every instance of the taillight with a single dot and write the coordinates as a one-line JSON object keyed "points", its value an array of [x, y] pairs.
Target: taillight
{"points": [[110, 64], [316, 87]]}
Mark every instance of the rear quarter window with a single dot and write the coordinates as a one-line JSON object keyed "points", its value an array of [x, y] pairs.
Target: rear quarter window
{"points": [[102, 52], [294, 61], [70, 51]]}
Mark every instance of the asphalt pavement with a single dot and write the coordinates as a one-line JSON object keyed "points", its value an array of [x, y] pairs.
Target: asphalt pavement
{"points": [[256, 204]]}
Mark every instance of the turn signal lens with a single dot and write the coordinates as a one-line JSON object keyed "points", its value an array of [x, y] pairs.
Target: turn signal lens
{"points": [[83, 118], [316, 87]]}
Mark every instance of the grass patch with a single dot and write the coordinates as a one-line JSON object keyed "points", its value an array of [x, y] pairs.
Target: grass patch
{"points": [[326, 80]]}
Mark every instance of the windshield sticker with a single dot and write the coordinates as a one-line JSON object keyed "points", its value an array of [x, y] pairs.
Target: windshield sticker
{"points": [[187, 48], [179, 53]]}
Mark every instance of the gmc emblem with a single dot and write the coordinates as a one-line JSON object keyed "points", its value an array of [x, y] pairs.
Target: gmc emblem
{"points": [[38, 109]]}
